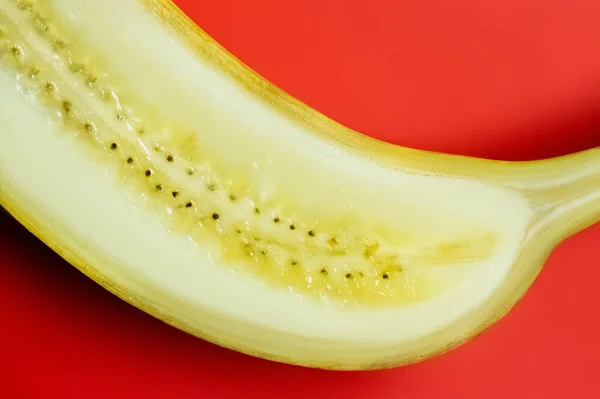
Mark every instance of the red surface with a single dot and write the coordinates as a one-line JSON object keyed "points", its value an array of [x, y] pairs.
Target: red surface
{"points": [[516, 79]]}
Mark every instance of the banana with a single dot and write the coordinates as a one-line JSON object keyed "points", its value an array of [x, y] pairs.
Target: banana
{"points": [[174, 176]]}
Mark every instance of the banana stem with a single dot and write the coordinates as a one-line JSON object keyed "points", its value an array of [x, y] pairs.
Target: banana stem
{"points": [[567, 198]]}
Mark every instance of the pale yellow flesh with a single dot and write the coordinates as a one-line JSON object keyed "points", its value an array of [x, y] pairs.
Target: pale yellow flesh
{"points": [[80, 200]]}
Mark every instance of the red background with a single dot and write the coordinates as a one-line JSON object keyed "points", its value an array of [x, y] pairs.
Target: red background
{"points": [[516, 79]]}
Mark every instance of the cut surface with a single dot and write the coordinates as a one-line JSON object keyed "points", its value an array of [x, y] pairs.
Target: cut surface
{"points": [[170, 177]]}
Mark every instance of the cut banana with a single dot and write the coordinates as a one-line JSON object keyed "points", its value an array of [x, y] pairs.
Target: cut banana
{"points": [[171, 174]]}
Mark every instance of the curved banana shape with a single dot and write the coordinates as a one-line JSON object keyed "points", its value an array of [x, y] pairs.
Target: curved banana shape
{"points": [[167, 171]]}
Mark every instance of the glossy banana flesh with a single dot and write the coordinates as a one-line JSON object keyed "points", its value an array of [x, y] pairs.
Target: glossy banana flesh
{"points": [[160, 166]]}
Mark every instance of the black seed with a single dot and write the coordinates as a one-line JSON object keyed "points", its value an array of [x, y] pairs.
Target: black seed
{"points": [[189, 204], [190, 171], [50, 88], [120, 117], [148, 172], [263, 252], [170, 158], [158, 187], [16, 52], [215, 216], [238, 231], [311, 233], [361, 274], [67, 106], [88, 127], [292, 227], [141, 131], [385, 276], [324, 271], [348, 275], [113, 146], [294, 262], [276, 220], [257, 210], [129, 160], [175, 194], [211, 187], [232, 197]]}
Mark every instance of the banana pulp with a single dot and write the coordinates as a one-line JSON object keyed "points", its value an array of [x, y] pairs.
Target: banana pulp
{"points": [[161, 167]]}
